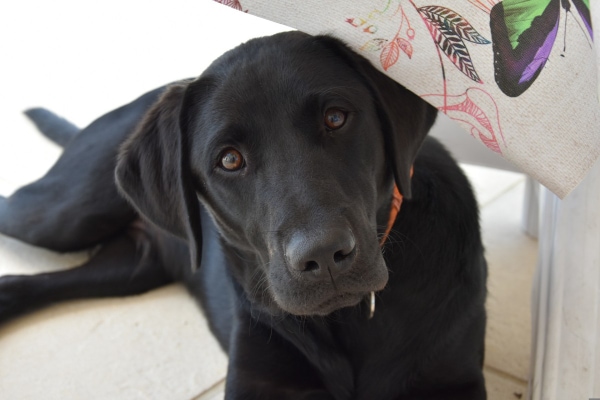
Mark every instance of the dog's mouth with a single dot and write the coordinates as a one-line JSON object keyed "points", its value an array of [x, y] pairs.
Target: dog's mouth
{"points": [[338, 302], [317, 272], [323, 299]]}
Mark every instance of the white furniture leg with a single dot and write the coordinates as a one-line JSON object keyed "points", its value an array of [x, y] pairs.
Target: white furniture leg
{"points": [[566, 296], [531, 208], [565, 361]]}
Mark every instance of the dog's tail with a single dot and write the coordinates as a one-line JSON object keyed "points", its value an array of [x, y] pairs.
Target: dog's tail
{"points": [[54, 127]]}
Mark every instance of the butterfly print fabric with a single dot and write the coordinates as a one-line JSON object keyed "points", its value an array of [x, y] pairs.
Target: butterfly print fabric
{"points": [[519, 75]]}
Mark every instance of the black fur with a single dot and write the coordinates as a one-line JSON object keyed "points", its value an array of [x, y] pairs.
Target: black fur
{"points": [[281, 253], [57, 129]]}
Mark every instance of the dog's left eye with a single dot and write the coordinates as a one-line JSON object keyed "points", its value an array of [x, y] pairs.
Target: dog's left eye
{"points": [[335, 118], [231, 160]]}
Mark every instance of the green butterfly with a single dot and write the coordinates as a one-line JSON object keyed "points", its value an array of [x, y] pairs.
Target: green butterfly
{"points": [[523, 34]]}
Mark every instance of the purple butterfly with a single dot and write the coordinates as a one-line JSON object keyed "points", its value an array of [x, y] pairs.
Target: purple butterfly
{"points": [[523, 33]]}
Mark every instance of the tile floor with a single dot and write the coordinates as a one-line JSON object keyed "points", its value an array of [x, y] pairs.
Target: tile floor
{"points": [[156, 346], [511, 257]]}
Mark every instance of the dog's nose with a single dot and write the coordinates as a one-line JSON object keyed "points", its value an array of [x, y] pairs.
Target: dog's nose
{"points": [[323, 255]]}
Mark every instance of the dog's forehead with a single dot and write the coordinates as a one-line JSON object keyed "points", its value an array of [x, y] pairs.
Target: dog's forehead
{"points": [[282, 70]]}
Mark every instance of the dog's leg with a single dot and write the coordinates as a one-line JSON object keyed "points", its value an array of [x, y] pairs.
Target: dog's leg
{"points": [[127, 264], [263, 365], [76, 204]]}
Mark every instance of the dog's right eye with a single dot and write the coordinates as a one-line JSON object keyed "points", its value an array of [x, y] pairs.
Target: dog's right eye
{"points": [[335, 118], [231, 160]]}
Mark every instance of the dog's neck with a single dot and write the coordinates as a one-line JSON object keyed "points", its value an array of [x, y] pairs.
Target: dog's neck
{"points": [[394, 210]]}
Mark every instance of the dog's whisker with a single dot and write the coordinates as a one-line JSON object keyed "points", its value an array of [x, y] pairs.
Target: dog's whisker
{"points": [[262, 286], [400, 238]]}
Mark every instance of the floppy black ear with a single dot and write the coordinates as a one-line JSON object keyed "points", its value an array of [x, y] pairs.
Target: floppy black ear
{"points": [[152, 171], [406, 118]]}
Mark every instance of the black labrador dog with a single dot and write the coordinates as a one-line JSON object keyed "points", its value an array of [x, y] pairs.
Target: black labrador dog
{"points": [[267, 185]]}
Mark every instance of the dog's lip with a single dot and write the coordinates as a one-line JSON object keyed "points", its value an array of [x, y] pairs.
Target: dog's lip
{"points": [[338, 301]]}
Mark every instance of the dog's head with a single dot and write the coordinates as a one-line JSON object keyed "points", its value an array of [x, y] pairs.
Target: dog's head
{"points": [[292, 143]]}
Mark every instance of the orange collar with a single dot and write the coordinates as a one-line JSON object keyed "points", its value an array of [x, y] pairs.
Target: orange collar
{"points": [[394, 210]]}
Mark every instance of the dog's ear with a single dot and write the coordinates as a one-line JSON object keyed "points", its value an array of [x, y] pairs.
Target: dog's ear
{"points": [[406, 120], [154, 175], [405, 117]]}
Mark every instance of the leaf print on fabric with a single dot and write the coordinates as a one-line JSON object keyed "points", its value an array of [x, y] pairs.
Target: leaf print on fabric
{"points": [[391, 52], [374, 44], [389, 55], [447, 19], [448, 29], [405, 46], [235, 4], [391, 49], [475, 109]]}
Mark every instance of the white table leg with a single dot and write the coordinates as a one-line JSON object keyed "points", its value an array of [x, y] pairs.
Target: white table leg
{"points": [[531, 208], [566, 296]]}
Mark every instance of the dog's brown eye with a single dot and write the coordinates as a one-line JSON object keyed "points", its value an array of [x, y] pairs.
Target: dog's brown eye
{"points": [[335, 118], [231, 160]]}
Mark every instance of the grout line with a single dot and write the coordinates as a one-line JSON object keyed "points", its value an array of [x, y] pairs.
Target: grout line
{"points": [[505, 375], [211, 392], [502, 192]]}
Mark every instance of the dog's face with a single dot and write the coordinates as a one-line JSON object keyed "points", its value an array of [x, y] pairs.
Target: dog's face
{"points": [[288, 157], [284, 142]]}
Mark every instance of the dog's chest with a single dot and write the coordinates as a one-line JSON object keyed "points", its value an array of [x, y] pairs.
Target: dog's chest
{"points": [[380, 353]]}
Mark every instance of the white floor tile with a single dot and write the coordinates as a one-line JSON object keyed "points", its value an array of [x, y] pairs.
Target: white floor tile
{"points": [[511, 257], [501, 386], [153, 346], [489, 183]]}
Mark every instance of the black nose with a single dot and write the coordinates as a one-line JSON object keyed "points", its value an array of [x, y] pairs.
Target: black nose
{"points": [[322, 254]]}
